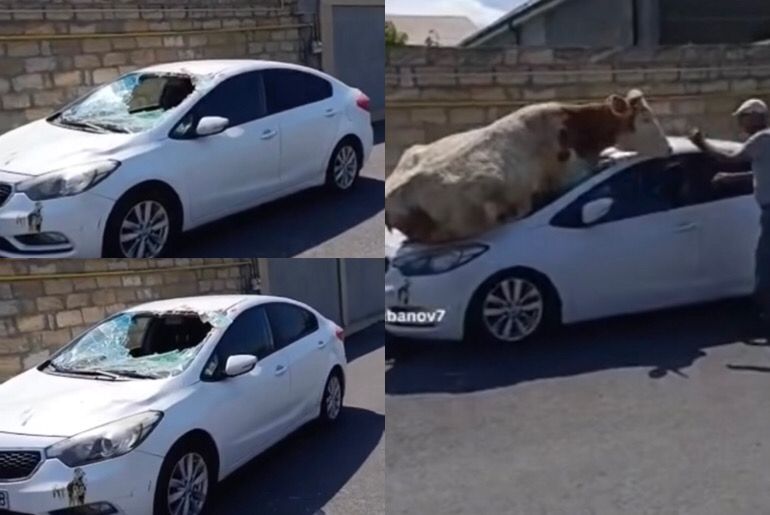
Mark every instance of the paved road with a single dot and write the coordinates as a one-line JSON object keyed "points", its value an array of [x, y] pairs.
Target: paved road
{"points": [[666, 413], [316, 471], [310, 224]]}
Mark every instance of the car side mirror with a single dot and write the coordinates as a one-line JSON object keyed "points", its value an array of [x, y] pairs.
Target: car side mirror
{"points": [[595, 210], [239, 365], [210, 125]]}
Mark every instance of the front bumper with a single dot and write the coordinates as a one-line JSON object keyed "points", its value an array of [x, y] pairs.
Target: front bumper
{"points": [[127, 483], [442, 298], [80, 219]]}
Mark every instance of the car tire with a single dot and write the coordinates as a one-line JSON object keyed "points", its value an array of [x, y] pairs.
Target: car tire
{"points": [[200, 455], [530, 309], [333, 397], [344, 166], [125, 212]]}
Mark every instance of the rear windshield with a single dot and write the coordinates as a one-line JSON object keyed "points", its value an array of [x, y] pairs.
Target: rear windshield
{"points": [[134, 103]]}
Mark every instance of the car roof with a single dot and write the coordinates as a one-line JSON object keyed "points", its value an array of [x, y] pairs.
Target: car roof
{"points": [[204, 303], [679, 145], [223, 67]]}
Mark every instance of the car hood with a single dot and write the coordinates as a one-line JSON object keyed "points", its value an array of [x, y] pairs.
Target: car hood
{"points": [[38, 403], [41, 147]]}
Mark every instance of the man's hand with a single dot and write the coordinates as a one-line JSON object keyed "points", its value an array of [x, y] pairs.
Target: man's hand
{"points": [[697, 137]]}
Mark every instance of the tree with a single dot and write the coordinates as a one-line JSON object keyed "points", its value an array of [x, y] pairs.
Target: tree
{"points": [[393, 37]]}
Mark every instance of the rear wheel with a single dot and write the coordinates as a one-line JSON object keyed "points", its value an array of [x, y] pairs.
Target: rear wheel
{"points": [[331, 404], [512, 307], [344, 166]]}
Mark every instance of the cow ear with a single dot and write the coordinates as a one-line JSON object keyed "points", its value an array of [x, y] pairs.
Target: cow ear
{"points": [[636, 100], [619, 105]]}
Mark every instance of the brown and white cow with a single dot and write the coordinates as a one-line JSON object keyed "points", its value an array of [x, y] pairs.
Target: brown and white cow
{"points": [[467, 183]]}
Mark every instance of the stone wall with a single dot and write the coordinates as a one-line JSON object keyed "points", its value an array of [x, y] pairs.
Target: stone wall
{"points": [[53, 52], [431, 93], [44, 305]]}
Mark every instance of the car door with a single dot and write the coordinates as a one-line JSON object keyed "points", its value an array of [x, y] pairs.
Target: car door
{"points": [[643, 254], [237, 168], [729, 217], [309, 117], [296, 332], [254, 409]]}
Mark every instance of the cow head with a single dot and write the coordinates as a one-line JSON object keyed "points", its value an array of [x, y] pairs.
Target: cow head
{"points": [[641, 131]]}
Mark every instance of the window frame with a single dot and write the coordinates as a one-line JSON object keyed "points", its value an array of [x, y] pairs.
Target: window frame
{"points": [[266, 88], [276, 344], [262, 91], [219, 376]]}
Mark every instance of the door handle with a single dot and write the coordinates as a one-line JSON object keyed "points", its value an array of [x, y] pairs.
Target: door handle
{"points": [[330, 112], [686, 227], [268, 134], [321, 344], [280, 370]]}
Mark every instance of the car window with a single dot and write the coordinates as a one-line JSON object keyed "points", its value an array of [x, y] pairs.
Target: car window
{"points": [[248, 334], [642, 189], [240, 99], [700, 169], [289, 323], [287, 89]]}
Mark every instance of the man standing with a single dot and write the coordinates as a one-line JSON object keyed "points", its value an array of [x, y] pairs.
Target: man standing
{"points": [[752, 117]]}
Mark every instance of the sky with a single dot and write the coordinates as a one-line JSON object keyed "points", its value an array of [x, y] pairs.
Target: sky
{"points": [[481, 12]]}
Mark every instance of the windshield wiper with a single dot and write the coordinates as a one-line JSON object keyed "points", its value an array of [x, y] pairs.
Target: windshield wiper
{"points": [[129, 373], [90, 124], [90, 373]]}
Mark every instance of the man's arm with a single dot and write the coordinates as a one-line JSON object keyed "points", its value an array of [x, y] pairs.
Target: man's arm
{"points": [[726, 156]]}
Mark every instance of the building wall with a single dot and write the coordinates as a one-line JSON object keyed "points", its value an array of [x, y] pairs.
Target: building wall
{"points": [[316, 282], [51, 53], [44, 306], [431, 93]]}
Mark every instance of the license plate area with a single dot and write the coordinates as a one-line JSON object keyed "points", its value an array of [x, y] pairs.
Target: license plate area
{"points": [[5, 501]]}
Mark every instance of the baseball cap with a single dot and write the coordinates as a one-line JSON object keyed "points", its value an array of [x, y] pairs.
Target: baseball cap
{"points": [[752, 106]]}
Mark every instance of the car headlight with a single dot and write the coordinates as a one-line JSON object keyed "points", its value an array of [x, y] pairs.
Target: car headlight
{"points": [[438, 261], [105, 442], [68, 181]]}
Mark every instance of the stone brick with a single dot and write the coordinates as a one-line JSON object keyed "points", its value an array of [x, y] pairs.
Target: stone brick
{"points": [[488, 94], [5, 86], [132, 280], [512, 78], [108, 282], [77, 300], [49, 303], [23, 48], [104, 75], [69, 318], [114, 59], [15, 345], [124, 43], [16, 101], [103, 297], [27, 82], [55, 339], [57, 286], [33, 360], [125, 295], [535, 56], [93, 314], [28, 324], [149, 42], [467, 115], [429, 115], [66, 79], [84, 283], [10, 366], [143, 57], [48, 98], [744, 85], [40, 64], [96, 46]]}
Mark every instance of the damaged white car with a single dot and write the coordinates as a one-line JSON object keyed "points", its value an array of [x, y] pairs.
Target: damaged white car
{"points": [[146, 411], [123, 171]]}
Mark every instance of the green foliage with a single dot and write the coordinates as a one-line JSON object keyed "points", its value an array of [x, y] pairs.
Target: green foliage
{"points": [[393, 37]]}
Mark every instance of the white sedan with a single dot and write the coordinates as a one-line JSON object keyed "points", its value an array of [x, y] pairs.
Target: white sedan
{"points": [[145, 412], [639, 234], [124, 170]]}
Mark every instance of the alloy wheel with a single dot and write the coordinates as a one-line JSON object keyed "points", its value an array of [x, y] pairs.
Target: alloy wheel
{"points": [[333, 397], [345, 167], [513, 309], [145, 229], [188, 485]]}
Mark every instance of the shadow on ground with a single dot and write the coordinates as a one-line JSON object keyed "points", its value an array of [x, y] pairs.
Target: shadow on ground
{"points": [[364, 342], [666, 342]]}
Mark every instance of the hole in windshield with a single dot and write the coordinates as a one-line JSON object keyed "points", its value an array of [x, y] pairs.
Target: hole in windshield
{"points": [[136, 102], [148, 345]]}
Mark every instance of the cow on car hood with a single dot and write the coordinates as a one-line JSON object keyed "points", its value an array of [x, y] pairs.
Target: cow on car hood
{"points": [[467, 183]]}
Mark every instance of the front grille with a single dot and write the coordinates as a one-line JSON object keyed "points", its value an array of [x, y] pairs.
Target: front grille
{"points": [[5, 192], [15, 465]]}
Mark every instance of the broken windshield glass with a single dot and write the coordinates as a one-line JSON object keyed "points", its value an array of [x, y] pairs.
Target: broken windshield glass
{"points": [[153, 345], [134, 103]]}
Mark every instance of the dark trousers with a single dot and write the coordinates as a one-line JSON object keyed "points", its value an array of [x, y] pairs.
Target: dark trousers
{"points": [[762, 265]]}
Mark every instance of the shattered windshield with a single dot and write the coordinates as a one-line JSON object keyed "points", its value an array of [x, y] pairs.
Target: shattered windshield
{"points": [[140, 345], [134, 103]]}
